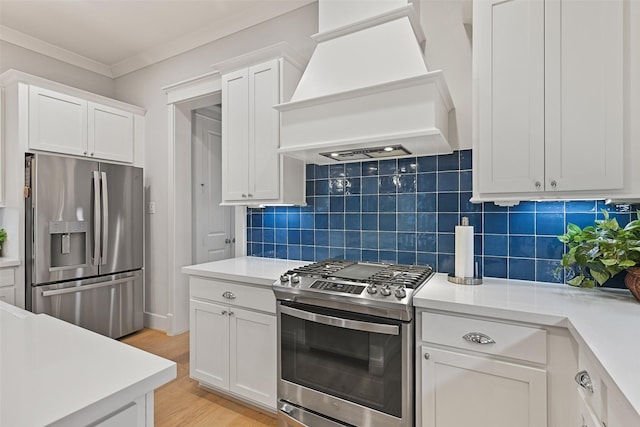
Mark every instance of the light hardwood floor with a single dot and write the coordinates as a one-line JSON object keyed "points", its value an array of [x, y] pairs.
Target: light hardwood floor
{"points": [[182, 402]]}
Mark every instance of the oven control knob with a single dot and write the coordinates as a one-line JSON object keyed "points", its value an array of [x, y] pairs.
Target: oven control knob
{"points": [[400, 293], [372, 289], [284, 278], [295, 279], [385, 291]]}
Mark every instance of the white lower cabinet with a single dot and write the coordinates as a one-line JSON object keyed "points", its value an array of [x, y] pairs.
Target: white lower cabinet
{"points": [[7, 285], [473, 390], [233, 347]]}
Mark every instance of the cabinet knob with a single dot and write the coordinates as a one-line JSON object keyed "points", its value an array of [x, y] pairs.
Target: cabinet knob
{"points": [[427, 356], [227, 241], [250, 195], [231, 313], [224, 312], [584, 380], [538, 185], [244, 196], [553, 183], [229, 295], [91, 154], [84, 152], [478, 338]]}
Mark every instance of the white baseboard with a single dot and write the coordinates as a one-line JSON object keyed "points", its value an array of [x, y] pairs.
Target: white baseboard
{"points": [[157, 321]]}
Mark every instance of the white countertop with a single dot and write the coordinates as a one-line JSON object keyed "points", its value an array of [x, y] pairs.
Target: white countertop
{"points": [[55, 372], [9, 262], [605, 320], [261, 271]]}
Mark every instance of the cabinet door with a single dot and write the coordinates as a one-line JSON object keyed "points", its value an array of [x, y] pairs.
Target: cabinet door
{"points": [[235, 136], [253, 356], [57, 122], [264, 131], [468, 390], [110, 133], [7, 295], [209, 343], [509, 68], [584, 95]]}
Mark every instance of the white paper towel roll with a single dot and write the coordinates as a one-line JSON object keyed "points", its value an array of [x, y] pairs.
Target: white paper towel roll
{"points": [[464, 250]]}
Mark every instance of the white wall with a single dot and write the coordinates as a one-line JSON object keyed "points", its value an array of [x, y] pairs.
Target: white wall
{"points": [[28, 61], [143, 88]]}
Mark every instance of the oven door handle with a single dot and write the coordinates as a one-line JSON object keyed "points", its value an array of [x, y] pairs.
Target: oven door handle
{"points": [[357, 325]]}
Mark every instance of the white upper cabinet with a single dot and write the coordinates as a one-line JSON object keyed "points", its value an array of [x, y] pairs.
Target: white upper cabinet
{"points": [[66, 124], [252, 170], [549, 100]]}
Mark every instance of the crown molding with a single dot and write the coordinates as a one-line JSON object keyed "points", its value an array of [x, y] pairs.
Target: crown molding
{"points": [[31, 43]]}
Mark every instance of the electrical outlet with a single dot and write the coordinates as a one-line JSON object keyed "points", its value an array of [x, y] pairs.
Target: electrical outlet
{"points": [[151, 207]]}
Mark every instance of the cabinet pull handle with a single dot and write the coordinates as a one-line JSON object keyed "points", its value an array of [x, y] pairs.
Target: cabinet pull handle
{"points": [[584, 380], [427, 356], [224, 312], [229, 295], [554, 184], [478, 338], [538, 185]]}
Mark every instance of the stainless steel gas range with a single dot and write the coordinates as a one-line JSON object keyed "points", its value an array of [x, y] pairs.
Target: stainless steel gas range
{"points": [[345, 344]]}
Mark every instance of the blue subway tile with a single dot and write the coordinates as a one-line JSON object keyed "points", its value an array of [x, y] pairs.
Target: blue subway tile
{"points": [[321, 187], [427, 164], [549, 206], [352, 254], [406, 241], [336, 186], [388, 184], [446, 263], [307, 220], [336, 238], [256, 234], [466, 181], [353, 170], [522, 223], [388, 167], [370, 255], [281, 235], [294, 252], [406, 221], [406, 183], [582, 220], [496, 223], [269, 219], [369, 185], [387, 222], [475, 220], [448, 181], [353, 204], [321, 204], [448, 202], [426, 202], [322, 252], [581, 206], [387, 203], [523, 207], [352, 186], [310, 169], [369, 203], [390, 257], [427, 242], [408, 258], [465, 159], [522, 246], [322, 221], [406, 202], [549, 271], [370, 240], [268, 250], [426, 182], [336, 171], [522, 269], [495, 267], [387, 241], [352, 221], [256, 219], [337, 253], [496, 245], [370, 168], [447, 222], [407, 165], [336, 204], [446, 243], [336, 221], [550, 224], [449, 162], [293, 219], [322, 172], [308, 253], [369, 221], [307, 237], [268, 235], [427, 222], [466, 205], [493, 208], [322, 238], [352, 239], [427, 258], [281, 251], [549, 248]]}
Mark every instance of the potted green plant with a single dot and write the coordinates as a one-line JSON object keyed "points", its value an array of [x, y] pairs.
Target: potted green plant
{"points": [[3, 238], [599, 252]]}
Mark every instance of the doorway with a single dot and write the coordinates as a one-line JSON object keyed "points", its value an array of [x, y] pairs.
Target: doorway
{"points": [[213, 225]]}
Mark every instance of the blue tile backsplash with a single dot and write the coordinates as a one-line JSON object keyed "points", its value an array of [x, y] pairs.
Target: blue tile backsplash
{"points": [[405, 210]]}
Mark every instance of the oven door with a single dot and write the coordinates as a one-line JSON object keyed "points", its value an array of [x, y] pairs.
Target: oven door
{"points": [[354, 368]]}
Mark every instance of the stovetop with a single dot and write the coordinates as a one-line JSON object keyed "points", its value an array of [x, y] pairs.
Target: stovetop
{"points": [[379, 289]]}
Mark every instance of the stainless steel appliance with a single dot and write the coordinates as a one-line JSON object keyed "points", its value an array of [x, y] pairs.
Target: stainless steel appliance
{"points": [[84, 224], [345, 343]]}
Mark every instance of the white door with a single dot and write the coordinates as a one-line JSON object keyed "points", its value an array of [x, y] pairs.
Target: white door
{"points": [[235, 135], [110, 133], [253, 356], [212, 224], [460, 390], [209, 344]]}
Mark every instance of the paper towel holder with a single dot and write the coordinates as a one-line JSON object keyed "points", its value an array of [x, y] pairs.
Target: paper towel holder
{"points": [[475, 280]]}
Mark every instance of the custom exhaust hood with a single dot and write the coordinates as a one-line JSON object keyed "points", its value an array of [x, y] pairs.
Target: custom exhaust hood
{"points": [[366, 92]]}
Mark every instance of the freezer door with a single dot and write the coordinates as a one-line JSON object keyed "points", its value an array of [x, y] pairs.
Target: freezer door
{"points": [[122, 218], [63, 219], [110, 306]]}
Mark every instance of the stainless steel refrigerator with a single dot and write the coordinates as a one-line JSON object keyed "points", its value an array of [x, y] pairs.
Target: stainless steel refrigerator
{"points": [[84, 242]]}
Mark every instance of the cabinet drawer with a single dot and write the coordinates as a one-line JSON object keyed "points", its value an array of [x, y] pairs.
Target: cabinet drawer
{"points": [[257, 298], [517, 342], [6, 277]]}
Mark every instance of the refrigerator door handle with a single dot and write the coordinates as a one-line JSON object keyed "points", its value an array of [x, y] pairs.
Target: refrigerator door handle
{"points": [[83, 288], [97, 218], [105, 218]]}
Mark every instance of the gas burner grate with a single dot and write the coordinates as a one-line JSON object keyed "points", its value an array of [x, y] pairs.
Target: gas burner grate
{"points": [[322, 269], [409, 276]]}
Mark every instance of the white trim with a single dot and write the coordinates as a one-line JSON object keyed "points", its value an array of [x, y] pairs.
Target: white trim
{"points": [[157, 321], [31, 43], [194, 87]]}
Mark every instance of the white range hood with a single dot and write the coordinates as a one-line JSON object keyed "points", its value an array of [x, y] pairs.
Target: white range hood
{"points": [[366, 88]]}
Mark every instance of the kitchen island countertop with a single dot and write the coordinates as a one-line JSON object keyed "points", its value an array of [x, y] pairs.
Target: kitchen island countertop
{"points": [[605, 320], [56, 373]]}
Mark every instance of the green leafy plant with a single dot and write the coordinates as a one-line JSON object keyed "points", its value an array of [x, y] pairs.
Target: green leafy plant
{"points": [[3, 237], [601, 251]]}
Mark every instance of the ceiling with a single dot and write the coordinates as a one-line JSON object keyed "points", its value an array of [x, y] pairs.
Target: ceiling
{"points": [[116, 37]]}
